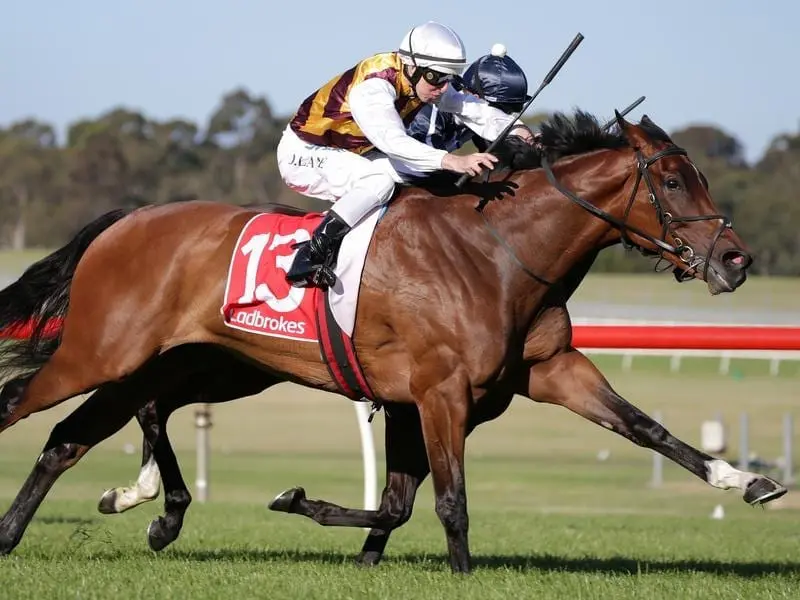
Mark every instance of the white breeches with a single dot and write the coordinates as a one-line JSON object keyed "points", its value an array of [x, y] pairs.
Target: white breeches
{"points": [[355, 183]]}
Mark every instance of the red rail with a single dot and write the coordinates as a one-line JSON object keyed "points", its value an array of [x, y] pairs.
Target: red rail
{"points": [[687, 337]]}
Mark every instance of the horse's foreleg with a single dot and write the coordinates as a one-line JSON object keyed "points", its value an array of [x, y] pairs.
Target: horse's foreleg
{"points": [[441, 445], [406, 467], [148, 484], [404, 476], [571, 380], [442, 393]]}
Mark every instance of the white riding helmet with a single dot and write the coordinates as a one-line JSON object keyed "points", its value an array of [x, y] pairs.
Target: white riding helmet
{"points": [[434, 46]]}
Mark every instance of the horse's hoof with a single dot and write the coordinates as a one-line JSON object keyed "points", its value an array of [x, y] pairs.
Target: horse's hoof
{"points": [[368, 559], [286, 501], [158, 536], [762, 490], [6, 545], [108, 503]]}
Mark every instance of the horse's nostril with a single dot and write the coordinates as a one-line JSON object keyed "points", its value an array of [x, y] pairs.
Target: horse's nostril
{"points": [[736, 259]]}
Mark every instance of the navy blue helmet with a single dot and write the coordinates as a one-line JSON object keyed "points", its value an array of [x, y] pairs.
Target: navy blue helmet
{"points": [[498, 79]]}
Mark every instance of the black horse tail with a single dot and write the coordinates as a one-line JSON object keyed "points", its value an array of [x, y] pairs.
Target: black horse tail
{"points": [[32, 307]]}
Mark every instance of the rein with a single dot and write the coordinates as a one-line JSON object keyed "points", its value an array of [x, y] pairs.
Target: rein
{"points": [[684, 252]]}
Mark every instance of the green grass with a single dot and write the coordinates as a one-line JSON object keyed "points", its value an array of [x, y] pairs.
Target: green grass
{"points": [[740, 368], [768, 293], [234, 551], [548, 519]]}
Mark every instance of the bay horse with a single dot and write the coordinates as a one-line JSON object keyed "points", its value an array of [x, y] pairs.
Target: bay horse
{"points": [[459, 308]]}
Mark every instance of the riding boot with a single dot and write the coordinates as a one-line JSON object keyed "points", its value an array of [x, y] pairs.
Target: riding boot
{"points": [[315, 259]]}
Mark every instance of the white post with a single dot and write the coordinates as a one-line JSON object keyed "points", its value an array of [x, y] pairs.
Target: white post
{"points": [[202, 423], [368, 455], [744, 442], [774, 366], [627, 361], [658, 459], [788, 449]]}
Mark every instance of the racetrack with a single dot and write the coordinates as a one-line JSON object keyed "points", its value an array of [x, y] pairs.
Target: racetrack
{"points": [[548, 519]]}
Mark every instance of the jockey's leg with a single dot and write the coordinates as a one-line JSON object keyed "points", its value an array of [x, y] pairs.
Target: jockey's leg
{"points": [[314, 261], [355, 183]]}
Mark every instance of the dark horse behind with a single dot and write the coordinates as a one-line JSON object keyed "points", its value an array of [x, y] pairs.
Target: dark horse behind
{"points": [[459, 310]]}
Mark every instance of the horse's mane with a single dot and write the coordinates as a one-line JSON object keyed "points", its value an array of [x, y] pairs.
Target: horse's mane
{"points": [[562, 135]]}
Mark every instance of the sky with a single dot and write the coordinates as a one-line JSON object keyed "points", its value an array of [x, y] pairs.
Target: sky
{"points": [[723, 62]]}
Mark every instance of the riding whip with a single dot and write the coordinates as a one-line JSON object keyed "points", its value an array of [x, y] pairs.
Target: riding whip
{"points": [[622, 113]]}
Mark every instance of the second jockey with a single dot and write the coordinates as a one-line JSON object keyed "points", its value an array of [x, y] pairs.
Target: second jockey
{"points": [[496, 78], [348, 144]]}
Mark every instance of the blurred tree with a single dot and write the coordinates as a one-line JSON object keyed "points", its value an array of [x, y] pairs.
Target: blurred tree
{"points": [[709, 142], [28, 168], [245, 132], [124, 158]]}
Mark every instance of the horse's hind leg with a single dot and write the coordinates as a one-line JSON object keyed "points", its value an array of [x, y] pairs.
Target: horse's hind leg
{"points": [[162, 531], [103, 414], [571, 380], [148, 483], [228, 380], [65, 375], [165, 530]]}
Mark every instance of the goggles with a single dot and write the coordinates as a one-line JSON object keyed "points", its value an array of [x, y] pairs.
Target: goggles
{"points": [[435, 78]]}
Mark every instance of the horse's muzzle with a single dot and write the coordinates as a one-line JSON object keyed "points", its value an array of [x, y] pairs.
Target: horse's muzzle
{"points": [[728, 272]]}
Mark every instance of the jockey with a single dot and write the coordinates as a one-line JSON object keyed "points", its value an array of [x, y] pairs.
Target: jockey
{"points": [[496, 78], [348, 144]]}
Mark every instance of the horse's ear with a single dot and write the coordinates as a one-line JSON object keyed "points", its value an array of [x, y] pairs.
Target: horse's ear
{"points": [[632, 133], [646, 120], [621, 122]]}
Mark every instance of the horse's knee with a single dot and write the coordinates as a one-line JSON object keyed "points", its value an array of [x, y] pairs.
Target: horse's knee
{"points": [[395, 514], [651, 431], [644, 430], [451, 510], [403, 516]]}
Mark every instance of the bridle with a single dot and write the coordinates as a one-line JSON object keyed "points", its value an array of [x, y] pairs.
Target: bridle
{"points": [[682, 251]]}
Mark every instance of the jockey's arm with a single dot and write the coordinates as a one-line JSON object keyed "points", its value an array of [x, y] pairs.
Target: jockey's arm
{"points": [[372, 105], [485, 120]]}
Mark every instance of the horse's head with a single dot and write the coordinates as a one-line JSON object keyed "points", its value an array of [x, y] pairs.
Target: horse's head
{"points": [[671, 203]]}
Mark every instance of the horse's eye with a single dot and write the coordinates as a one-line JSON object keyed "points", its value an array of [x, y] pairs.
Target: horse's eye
{"points": [[673, 184]]}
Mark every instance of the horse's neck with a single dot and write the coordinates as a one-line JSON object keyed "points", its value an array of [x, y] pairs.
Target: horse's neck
{"points": [[550, 233], [575, 276]]}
